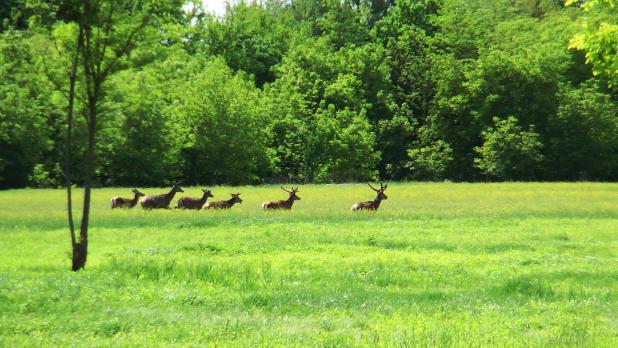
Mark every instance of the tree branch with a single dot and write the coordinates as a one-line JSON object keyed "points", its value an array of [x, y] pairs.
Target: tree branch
{"points": [[126, 46]]}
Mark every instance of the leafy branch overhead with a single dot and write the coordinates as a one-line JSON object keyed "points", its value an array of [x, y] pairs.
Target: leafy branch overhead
{"points": [[599, 39]]}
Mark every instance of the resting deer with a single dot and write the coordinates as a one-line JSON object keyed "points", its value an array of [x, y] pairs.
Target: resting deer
{"points": [[224, 204], [193, 203], [119, 202], [372, 205], [282, 204], [160, 201]]}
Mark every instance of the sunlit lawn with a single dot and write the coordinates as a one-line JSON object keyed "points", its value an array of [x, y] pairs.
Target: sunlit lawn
{"points": [[438, 265]]}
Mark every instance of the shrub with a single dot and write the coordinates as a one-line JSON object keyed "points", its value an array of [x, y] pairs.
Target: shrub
{"points": [[509, 152]]}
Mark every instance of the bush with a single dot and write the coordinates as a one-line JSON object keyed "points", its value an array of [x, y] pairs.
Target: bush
{"points": [[221, 125], [341, 147], [509, 152], [430, 162], [43, 178]]}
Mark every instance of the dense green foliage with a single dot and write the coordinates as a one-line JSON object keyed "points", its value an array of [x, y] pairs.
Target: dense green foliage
{"points": [[439, 265], [323, 91], [600, 38]]}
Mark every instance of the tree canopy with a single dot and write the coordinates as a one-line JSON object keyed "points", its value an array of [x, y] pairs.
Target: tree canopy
{"points": [[316, 91]]}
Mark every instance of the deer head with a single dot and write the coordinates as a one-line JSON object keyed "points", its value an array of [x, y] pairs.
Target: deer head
{"points": [[207, 193], [137, 193], [236, 198], [380, 191], [176, 188], [292, 193]]}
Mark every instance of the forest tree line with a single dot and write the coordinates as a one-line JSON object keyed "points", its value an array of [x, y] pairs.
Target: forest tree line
{"points": [[323, 91]]}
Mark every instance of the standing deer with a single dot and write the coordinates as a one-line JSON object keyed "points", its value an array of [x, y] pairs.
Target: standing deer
{"points": [[371, 205], [224, 204], [193, 203], [119, 202], [282, 204], [160, 201]]}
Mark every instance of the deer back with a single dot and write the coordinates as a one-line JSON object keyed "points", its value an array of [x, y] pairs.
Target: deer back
{"points": [[189, 203], [118, 202], [369, 205], [160, 201], [223, 204], [280, 204], [156, 201], [218, 205]]}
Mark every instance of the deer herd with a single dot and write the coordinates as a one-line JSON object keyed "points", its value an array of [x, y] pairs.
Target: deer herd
{"points": [[163, 201]]}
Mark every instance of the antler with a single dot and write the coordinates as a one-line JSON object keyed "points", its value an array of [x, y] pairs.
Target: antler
{"points": [[373, 188], [285, 189], [382, 187]]}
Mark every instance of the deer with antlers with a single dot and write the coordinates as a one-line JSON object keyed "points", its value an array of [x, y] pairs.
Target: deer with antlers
{"points": [[223, 204], [160, 201], [193, 203], [372, 205], [282, 204], [119, 202]]}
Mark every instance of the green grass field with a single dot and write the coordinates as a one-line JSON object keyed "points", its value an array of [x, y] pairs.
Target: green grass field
{"points": [[456, 265]]}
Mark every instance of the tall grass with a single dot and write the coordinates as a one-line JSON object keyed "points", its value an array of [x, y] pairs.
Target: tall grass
{"points": [[444, 264]]}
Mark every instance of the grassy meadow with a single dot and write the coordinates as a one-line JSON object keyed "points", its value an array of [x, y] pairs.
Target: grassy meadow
{"points": [[453, 265]]}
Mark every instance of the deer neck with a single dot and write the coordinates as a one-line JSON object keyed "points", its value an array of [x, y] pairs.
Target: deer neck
{"points": [[170, 195], [203, 199], [377, 201], [134, 200], [230, 202], [289, 202]]}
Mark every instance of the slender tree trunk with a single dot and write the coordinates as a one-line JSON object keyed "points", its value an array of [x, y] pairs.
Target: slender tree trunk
{"points": [[67, 151], [80, 249], [80, 254]]}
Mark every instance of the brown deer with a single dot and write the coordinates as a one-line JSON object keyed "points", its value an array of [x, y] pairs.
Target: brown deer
{"points": [[372, 205], [160, 201], [193, 203], [282, 204], [119, 202], [224, 204]]}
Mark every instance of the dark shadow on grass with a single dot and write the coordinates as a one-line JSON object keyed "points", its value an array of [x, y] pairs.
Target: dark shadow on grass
{"points": [[552, 287]]}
